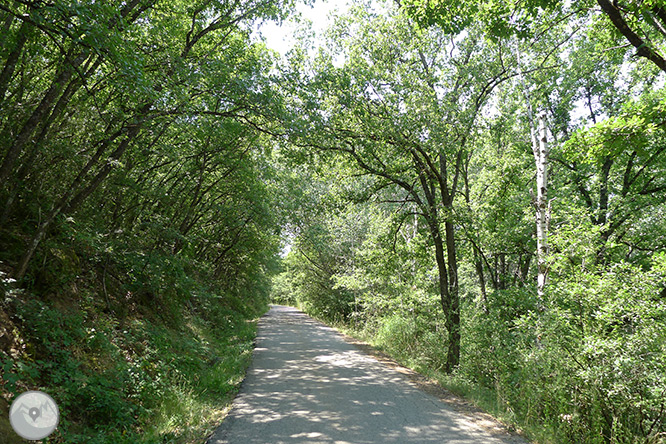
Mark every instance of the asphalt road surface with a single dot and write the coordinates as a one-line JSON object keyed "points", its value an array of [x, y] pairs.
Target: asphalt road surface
{"points": [[307, 385]]}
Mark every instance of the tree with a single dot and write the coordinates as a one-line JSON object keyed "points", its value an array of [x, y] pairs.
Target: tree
{"points": [[541, 158], [642, 24], [402, 110], [121, 75]]}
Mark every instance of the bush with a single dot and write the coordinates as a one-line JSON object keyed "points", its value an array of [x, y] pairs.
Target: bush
{"points": [[138, 380], [591, 366], [417, 341]]}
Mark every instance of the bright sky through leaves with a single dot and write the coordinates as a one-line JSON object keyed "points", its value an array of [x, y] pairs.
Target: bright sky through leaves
{"points": [[281, 37]]}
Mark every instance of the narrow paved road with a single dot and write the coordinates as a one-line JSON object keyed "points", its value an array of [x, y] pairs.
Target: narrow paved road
{"points": [[307, 385]]}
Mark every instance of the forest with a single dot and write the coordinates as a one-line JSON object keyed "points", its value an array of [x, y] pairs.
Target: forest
{"points": [[476, 188]]}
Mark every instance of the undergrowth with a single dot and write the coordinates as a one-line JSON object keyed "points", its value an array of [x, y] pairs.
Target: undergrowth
{"points": [[400, 341], [136, 381], [571, 374], [125, 367]]}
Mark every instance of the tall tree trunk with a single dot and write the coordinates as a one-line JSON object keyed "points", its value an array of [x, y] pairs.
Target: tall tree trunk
{"points": [[453, 355], [525, 268], [478, 265], [13, 57], [541, 153], [447, 193], [42, 110], [444, 295]]}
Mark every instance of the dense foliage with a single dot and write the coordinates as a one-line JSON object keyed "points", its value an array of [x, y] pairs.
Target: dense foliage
{"points": [[423, 139], [136, 230], [154, 159]]}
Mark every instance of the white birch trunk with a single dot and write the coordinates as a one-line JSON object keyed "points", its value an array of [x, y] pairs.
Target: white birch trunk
{"points": [[541, 152]]}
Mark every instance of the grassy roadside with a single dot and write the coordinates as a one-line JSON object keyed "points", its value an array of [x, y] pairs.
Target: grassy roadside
{"points": [[145, 377], [487, 400]]}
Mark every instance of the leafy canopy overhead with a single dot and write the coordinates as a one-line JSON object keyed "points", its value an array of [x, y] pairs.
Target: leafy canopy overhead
{"points": [[500, 18], [641, 23]]}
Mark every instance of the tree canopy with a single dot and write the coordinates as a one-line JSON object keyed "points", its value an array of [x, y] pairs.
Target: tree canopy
{"points": [[477, 187]]}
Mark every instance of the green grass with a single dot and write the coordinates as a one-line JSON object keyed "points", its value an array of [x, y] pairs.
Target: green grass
{"points": [[197, 401], [491, 401], [394, 339], [132, 380]]}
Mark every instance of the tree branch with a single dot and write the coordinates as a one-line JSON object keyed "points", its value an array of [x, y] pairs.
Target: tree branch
{"points": [[642, 48]]}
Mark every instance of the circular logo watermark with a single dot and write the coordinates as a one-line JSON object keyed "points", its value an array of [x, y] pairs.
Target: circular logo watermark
{"points": [[34, 415]]}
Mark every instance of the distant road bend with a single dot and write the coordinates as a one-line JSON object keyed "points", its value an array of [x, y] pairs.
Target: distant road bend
{"points": [[307, 385]]}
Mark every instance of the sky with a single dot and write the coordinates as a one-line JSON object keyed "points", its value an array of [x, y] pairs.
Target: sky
{"points": [[280, 37]]}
